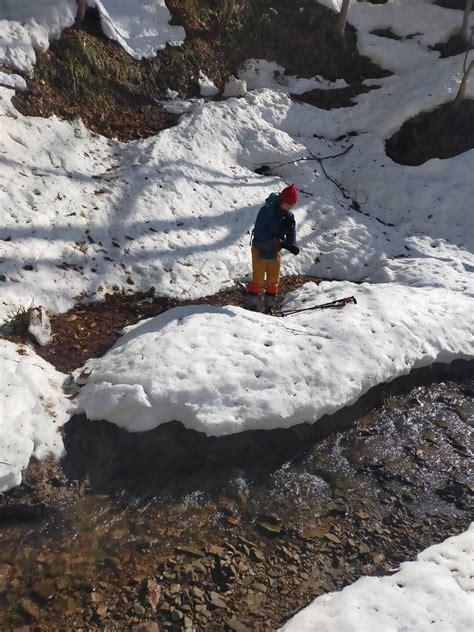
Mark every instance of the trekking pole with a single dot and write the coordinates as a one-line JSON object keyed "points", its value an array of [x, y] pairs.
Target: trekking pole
{"points": [[339, 302]]}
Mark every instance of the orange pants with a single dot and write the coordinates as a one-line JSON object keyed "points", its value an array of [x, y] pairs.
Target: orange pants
{"points": [[262, 268]]}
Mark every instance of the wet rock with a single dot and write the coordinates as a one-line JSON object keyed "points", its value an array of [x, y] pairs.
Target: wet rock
{"points": [[236, 626], [190, 550], [257, 555], [139, 609], [254, 602], [188, 623], [216, 550], [147, 626], [216, 600], [44, 590], [363, 515], [313, 532], [177, 615], [270, 525], [6, 572], [102, 611], [259, 586], [29, 609], [332, 538], [197, 592]]}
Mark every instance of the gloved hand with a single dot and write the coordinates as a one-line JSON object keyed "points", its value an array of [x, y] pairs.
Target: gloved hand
{"points": [[293, 248]]}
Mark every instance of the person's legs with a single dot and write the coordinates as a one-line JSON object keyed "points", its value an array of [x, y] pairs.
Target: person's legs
{"points": [[273, 279], [259, 267]]}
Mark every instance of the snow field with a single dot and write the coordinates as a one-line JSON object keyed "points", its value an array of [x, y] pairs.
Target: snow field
{"points": [[432, 594], [142, 28], [175, 211]]}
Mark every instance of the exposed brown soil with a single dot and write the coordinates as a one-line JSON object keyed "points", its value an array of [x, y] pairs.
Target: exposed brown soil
{"points": [[388, 33], [451, 4], [330, 99], [88, 331], [442, 133], [454, 46], [85, 74]]}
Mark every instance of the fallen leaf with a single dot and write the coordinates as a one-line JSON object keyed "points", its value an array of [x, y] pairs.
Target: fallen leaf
{"points": [[153, 594]]}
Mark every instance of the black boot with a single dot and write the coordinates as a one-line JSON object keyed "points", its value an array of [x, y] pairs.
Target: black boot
{"points": [[269, 303], [251, 302]]}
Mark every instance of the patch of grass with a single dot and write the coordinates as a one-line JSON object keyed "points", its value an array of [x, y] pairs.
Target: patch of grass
{"points": [[18, 321], [85, 74], [194, 15], [82, 63]]}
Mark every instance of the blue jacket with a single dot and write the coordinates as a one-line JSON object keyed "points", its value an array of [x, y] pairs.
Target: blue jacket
{"points": [[273, 222]]}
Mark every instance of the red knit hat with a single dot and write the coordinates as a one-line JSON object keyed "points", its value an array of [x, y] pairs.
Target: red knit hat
{"points": [[289, 195]]}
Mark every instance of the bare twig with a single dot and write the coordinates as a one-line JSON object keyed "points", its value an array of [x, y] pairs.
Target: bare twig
{"points": [[465, 21], [466, 68], [226, 14], [277, 165], [81, 11], [342, 19], [333, 180], [16, 88]]}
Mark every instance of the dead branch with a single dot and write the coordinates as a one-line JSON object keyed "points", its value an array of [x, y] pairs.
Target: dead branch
{"points": [[226, 14], [342, 19], [81, 11], [16, 88], [465, 21], [462, 86]]}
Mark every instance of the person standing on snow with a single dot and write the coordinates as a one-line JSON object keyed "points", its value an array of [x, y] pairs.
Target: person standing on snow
{"points": [[275, 228]]}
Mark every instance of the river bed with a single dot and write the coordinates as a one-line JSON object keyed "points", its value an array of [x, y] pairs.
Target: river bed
{"points": [[237, 544]]}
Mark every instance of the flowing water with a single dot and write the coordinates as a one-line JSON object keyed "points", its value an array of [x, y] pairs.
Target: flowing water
{"points": [[395, 478]]}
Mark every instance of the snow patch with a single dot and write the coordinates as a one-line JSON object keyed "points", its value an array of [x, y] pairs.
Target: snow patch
{"points": [[206, 86], [251, 371], [141, 27], [32, 409], [29, 25], [260, 73], [433, 594]]}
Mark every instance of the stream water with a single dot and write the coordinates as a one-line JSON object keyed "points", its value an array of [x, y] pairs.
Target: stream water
{"points": [[357, 501]]}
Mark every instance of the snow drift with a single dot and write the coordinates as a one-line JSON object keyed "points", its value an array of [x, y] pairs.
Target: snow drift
{"points": [[225, 370], [433, 594], [32, 409]]}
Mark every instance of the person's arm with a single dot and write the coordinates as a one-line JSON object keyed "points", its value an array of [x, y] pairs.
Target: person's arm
{"points": [[290, 236], [290, 230]]}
